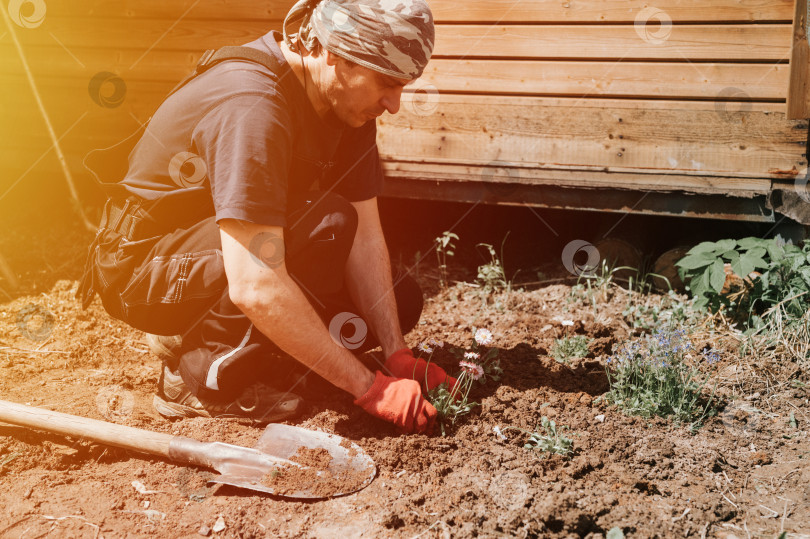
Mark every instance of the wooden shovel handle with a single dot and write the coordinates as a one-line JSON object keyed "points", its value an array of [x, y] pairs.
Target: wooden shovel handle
{"points": [[154, 443]]}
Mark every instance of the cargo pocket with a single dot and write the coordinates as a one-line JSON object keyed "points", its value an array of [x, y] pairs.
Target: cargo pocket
{"points": [[169, 294]]}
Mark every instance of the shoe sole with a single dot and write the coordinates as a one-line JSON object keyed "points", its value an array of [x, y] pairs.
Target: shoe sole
{"points": [[173, 410], [283, 410]]}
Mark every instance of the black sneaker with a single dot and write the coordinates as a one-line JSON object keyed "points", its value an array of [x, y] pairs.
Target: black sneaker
{"points": [[258, 402]]}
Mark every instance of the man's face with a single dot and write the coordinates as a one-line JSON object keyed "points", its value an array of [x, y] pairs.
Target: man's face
{"points": [[358, 94]]}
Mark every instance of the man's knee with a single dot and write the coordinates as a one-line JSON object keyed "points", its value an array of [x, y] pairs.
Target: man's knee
{"points": [[410, 302], [339, 219]]}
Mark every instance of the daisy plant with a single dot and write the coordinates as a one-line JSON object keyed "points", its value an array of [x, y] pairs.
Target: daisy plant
{"points": [[482, 355], [451, 404]]}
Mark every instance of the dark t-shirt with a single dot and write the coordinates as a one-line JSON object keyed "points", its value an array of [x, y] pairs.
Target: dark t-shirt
{"points": [[236, 142]]}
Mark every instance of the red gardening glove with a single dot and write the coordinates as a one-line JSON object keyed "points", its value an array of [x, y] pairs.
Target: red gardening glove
{"points": [[399, 402], [402, 364]]}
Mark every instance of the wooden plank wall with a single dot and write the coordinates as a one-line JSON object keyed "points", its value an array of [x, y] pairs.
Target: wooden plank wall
{"points": [[616, 89]]}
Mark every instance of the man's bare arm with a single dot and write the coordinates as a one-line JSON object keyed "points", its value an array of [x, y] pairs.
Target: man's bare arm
{"points": [[368, 278], [275, 304]]}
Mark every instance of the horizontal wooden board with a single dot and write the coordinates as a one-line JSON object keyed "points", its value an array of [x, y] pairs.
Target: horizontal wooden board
{"points": [[502, 177], [447, 10], [633, 79], [630, 79], [692, 42], [142, 35], [756, 42], [597, 135]]}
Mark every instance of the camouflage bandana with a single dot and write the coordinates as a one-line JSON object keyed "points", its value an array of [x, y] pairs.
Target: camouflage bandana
{"points": [[394, 37]]}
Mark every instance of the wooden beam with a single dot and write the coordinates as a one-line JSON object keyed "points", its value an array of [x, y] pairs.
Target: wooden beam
{"points": [[661, 137], [550, 195], [798, 97], [500, 178]]}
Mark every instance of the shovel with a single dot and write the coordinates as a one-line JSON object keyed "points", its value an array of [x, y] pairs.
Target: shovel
{"points": [[265, 468]]}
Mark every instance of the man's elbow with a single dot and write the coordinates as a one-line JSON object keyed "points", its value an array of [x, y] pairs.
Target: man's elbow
{"points": [[255, 299]]}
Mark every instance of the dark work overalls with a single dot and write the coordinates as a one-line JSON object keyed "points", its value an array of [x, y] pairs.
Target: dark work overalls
{"points": [[160, 269]]}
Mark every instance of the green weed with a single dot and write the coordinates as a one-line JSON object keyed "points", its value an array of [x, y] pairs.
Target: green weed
{"points": [[551, 440], [570, 347], [444, 248]]}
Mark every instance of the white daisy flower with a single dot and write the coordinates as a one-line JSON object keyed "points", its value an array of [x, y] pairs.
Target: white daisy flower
{"points": [[483, 337], [423, 347], [437, 344]]}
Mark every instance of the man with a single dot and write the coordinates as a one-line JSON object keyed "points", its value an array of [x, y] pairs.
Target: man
{"points": [[221, 237]]}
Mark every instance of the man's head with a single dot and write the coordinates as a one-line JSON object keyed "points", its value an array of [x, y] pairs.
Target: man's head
{"points": [[370, 49]]}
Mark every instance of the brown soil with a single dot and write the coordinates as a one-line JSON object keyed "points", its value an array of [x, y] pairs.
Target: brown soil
{"points": [[744, 473]]}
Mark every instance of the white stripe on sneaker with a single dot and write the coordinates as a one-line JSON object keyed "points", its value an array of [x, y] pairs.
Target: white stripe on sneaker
{"points": [[213, 370]]}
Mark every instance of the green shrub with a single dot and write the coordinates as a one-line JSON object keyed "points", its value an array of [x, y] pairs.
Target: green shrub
{"points": [[783, 281]]}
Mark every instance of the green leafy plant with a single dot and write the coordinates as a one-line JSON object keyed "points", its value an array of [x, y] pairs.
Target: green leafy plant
{"points": [[769, 274], [491, 275], [651, 311], [455, 403], [570, 347], [551, 440], [659, 375], [598, 287], [444, 247]]}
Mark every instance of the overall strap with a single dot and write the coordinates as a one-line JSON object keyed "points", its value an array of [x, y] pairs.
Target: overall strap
{"points": [[114, 157], [212, 57]]}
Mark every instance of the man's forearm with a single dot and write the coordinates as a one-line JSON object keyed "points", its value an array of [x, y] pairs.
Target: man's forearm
{"points": [[292, 324], [368, 279], [278, 308]]}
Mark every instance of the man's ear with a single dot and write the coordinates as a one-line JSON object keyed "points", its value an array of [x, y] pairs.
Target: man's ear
{"points": [[332, 58]]}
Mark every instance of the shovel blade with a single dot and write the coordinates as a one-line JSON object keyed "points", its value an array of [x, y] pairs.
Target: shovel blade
{"points": [[349, 468]]}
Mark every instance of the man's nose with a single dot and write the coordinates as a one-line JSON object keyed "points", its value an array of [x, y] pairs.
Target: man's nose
{"points": [[391, 100]]}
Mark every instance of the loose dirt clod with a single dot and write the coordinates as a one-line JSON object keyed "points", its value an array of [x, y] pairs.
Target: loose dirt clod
{"points": [[314, 477]]}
